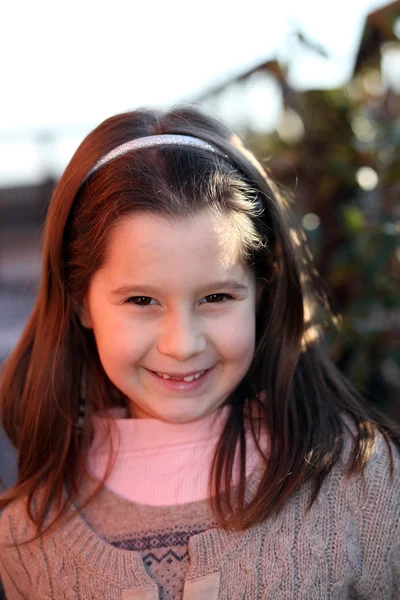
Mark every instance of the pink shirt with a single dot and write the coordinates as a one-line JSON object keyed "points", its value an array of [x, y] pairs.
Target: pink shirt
{"points": [[160, 463]]}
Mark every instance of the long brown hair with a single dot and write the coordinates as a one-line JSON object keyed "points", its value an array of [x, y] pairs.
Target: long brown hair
{"points": [[294, 386]]}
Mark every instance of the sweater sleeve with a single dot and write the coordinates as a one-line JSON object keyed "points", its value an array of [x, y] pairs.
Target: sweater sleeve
{"points": [[378, 512], [394, 561]]}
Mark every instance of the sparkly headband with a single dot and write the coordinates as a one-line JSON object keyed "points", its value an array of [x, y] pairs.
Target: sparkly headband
{"points": [[152, 141]]}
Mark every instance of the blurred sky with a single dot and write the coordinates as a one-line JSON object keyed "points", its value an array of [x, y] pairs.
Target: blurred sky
{"points": [[67, 66]]}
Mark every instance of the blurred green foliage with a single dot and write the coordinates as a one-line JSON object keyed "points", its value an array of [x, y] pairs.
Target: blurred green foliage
{"points": [[337, 152]]}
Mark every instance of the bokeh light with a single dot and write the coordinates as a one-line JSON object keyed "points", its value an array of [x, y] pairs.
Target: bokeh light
{"points": [[290, 128], [311, 221], [367, 178]]}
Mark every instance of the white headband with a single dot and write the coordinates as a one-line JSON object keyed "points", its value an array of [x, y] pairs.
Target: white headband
{"points": [[153, 141]]}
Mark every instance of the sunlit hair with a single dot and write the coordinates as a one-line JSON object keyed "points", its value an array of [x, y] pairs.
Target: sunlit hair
{"points": [[291, 385]]}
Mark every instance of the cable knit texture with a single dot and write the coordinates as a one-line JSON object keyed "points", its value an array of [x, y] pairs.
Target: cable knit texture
{"points": [[159, 534], [346, 547]]}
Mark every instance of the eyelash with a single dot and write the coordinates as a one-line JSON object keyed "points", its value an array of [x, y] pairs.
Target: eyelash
{"points": [[130, 300]]}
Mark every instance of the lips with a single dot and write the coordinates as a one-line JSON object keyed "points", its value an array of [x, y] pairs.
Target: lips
{"points": [[182, 375], [187, 377], [193, 382]]}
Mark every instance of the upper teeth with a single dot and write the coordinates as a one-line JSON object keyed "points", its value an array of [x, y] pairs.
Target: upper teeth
{"points": [[188, 378]]}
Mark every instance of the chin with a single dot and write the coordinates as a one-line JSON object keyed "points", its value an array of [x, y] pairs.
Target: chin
{"points": [[181, 417]]}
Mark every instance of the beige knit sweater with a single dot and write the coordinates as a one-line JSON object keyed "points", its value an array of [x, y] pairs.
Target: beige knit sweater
{"points": [[346, 547]]}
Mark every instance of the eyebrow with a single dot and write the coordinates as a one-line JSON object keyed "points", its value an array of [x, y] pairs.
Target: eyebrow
{"points": [[227, 284]]}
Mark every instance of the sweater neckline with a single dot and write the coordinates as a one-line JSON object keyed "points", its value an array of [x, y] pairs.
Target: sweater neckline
{"points": [[125, 567], [107, 561]]}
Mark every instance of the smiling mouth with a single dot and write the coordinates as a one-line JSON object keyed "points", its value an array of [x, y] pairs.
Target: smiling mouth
{"points": [[187, 379]]}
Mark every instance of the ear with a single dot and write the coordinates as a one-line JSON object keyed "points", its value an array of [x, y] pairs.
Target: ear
{"points": [[83, 313]]}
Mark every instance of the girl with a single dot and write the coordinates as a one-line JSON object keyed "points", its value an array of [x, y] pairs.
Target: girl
{"points": [[221, 454]]}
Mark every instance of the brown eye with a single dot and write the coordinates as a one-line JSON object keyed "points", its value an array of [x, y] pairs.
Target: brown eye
{"points": [[217, 298], [139, 300]]}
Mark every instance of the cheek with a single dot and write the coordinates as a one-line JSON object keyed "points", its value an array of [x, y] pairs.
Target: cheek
{"points": [[240, 343], [117, 340], [237, 338]]}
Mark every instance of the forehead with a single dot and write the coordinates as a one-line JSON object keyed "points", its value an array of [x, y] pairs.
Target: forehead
{"points": [[143, 241]]}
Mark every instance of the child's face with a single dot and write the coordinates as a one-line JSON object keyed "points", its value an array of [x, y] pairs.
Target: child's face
{"points": [[175, 326]]}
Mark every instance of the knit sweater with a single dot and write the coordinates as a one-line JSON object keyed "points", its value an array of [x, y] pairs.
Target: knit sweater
{"points": [[159, 534], [346, 546], [156, 495]]}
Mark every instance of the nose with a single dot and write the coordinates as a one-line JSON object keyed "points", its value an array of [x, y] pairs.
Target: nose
{"points": [[181, 336]]}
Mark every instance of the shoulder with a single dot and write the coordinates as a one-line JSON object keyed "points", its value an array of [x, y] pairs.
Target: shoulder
{"points": [[370, 500], [382, 468], [22, 559], [354, 522], [15, 525], [13, 530]]}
